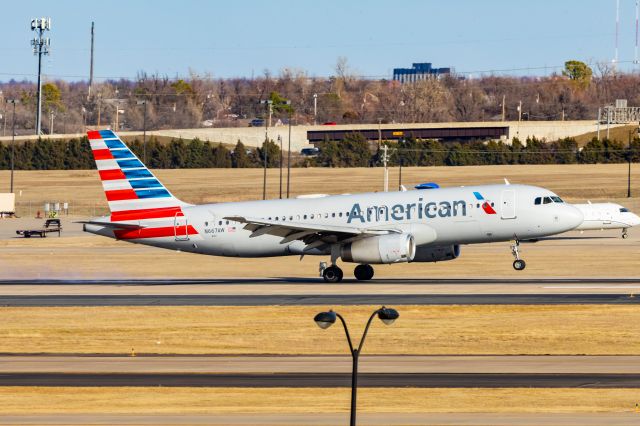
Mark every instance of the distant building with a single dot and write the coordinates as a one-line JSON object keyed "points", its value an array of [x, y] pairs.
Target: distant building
{"points": [[420, 71]]}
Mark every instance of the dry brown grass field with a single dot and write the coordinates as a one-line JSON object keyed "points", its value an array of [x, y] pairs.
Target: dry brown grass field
{"points": [[502, 329], [21, 400], [82, 188]]}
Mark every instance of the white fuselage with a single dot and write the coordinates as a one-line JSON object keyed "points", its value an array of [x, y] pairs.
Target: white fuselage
{"points": [[460, 215], [606, 216]]}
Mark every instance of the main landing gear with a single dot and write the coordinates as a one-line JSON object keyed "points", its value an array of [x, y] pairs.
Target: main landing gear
{"points": [[363, 272], [518, 264], [332, 274]]}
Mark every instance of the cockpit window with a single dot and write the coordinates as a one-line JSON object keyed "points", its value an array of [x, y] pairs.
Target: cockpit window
{"points": [[624, 210], [547, 200], [557, 199], [538, 200]]}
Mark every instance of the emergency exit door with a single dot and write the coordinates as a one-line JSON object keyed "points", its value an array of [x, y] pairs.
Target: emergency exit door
{"points": [[180, 227]]}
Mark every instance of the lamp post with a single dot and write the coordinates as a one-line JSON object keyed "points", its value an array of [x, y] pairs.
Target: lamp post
{"points": [[144, 130], [13, 137], [268, 103], [280, 141], [289, 157], [629, 165], [325, 320], [315, 109]]}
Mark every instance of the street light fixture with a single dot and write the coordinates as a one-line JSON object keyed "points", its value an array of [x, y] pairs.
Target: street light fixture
{"points": [[325, 320], [13, 137]]}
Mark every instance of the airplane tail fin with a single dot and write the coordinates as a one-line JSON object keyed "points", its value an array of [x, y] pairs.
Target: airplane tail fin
{"points": [[132, 191]]}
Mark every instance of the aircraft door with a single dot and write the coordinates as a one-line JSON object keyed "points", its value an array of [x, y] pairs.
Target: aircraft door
{"points": [[180, 227], [508, 206]]}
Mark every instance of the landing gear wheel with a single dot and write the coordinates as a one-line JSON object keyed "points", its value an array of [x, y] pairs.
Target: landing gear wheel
{"points": [[519, 264], [332, 274], [363, 272], [624, 234]]}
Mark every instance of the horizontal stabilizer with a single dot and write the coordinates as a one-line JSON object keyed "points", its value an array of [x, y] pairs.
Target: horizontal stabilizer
{"points": [[112, 225]]}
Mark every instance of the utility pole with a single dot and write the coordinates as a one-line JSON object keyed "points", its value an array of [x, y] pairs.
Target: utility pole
{"points": [[504, 99], [289, 158], [281, 154], [4, 115], [13, 137], [99, 105], [91, 64], [51, 122], [385, 158], [269, 105], [40, 47], [144, 130], [629, 166]]}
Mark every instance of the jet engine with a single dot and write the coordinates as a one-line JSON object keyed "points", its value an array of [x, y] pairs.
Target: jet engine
{"points": [[390, 248], [436, 253]]}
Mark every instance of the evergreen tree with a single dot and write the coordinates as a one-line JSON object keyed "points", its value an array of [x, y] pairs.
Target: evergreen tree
{"points": [[240, 158]]}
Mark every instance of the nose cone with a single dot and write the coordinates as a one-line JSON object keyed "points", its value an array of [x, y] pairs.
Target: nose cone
{"points": [[635, 219], [572, 217]]}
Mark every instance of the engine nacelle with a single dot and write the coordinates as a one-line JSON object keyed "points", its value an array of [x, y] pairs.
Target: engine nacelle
{"points": [[391, 248], [436, 253]]}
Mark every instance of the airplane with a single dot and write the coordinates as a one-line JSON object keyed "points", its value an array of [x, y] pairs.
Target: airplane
{"points": [[598, 216], [422, 225]]}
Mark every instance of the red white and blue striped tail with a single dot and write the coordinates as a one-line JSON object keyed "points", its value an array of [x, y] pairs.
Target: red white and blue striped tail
{"points": [[132, 191]]}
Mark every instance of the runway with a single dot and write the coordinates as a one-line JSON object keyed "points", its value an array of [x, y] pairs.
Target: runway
{"points": [[305, 364], [253, 292], [284, 300], [324, 380], [420, 371], [329, 419]]}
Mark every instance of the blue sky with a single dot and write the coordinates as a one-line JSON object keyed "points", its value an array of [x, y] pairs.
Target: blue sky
{"points": [[243, 38]]}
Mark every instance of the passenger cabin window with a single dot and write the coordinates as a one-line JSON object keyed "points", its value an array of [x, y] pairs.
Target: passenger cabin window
{"points": [[546, 200], [538, 201]]}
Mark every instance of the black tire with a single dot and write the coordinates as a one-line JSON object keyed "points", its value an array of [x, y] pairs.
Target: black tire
{"points": [[332, 274], [519, 265], [625, 236], [363, 272]]}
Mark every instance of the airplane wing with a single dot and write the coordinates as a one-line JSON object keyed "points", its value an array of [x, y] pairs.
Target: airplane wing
{"points": [[314, 235], [113, 225]]}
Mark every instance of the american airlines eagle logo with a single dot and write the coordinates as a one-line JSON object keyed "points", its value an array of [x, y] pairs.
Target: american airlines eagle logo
{"points": [[485, 204]]}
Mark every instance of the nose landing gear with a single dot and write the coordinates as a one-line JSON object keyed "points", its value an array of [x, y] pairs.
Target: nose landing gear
{"points": [[518, 264], [624, 234]]}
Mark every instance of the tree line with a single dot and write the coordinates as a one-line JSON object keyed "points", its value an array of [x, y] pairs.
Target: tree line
{"points": [[75, 154], [344, 97], [353, 151]]}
